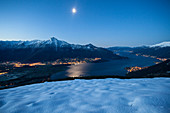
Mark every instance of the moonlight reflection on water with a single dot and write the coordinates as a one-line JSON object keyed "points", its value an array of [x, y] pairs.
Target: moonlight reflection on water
{"points": [[112, 67], [78, 70]]}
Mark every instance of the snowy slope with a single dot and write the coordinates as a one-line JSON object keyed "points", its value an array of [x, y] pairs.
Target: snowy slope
{"points": [[163, 44], [42, 43], [93, 96]]}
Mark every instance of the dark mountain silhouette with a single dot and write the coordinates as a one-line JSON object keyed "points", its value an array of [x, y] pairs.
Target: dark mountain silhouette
{"points": [[50, 50]]}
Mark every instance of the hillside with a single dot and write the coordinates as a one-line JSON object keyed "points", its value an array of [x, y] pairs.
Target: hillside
{"points": [[158, 70], [161, 50], [50, 50]]}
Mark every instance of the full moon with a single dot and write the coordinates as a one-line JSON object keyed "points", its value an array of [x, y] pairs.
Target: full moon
{"points": [[74, 10]]}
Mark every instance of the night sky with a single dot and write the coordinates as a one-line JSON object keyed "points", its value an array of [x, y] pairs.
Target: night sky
{"points": [[100, 22]]}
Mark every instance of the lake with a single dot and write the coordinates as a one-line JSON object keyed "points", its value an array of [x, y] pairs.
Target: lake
{"points": [[112, 67]]}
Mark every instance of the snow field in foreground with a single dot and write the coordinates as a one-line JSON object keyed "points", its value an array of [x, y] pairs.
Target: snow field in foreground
{"points": [[94, 96]]}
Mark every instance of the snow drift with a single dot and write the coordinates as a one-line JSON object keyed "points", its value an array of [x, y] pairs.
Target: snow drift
{"points": [[97, 96]]}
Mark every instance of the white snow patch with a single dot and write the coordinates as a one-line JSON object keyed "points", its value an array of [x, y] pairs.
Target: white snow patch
{"points": [[163, 44], [93, 96]]}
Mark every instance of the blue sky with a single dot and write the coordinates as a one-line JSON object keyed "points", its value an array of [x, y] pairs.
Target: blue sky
{"points": [[100, 22]]}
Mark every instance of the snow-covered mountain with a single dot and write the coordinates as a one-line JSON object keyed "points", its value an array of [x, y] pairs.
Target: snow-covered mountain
{"points": [[161, 50], [162, 44], [53, 42], [50, 50]]}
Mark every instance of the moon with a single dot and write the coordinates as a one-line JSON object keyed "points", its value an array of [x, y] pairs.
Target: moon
{"points": [[74, 10]]}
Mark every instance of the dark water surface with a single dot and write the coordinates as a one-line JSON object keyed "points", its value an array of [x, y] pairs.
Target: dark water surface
{"points": [[112, 67]]}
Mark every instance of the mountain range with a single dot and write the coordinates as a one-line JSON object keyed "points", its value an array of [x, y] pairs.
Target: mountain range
{"points": [[161, 50], [50, 50], [162, 44]]}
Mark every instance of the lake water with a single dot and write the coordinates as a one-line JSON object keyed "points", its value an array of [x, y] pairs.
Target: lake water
{"points": [[112, 67]]}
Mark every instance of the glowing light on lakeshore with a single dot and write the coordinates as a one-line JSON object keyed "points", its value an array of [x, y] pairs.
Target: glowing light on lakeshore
{"points": [[161, 59], [71, 61], [136, 68], [3, 73]]}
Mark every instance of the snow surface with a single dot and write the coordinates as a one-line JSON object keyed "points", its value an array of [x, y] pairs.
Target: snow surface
{"points": [[94, 96], [42, 43], [163, 44]]}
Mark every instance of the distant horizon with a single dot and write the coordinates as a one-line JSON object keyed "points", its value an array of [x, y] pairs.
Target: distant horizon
{"points": [[84, 43], [142, 44]]}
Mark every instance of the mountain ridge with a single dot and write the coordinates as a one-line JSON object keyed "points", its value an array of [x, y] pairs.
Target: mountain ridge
{"points": [[161, 50], [50, 50], [162, 44], [41, 44]]}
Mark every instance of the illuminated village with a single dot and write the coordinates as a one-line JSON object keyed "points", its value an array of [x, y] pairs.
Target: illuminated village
{"points": [[136, 68], [2, 73], [161, 59], [66, 61]]}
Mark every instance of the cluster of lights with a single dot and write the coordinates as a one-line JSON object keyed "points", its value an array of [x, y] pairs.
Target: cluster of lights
{"points": [[161, 59], [74, 61], [2, 73], [19, 64], [136, 68], [71, 61]]}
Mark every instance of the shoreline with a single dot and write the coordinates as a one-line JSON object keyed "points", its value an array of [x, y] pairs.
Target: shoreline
{"points": [[43, 73]]}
